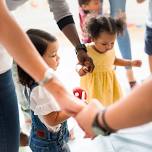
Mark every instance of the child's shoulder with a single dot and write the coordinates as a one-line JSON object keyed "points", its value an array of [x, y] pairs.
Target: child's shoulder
{"points": [[89, 46], [40, 92]]}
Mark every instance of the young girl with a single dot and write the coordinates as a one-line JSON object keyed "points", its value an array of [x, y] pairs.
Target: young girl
{"points": [[102, 82], [87, 8], [49, 131]]}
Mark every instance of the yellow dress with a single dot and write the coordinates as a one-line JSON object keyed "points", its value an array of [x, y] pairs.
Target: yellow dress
{"points": [[102, 83]]}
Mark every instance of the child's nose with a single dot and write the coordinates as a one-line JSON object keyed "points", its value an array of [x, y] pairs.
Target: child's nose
{"points": [[108, 46]]}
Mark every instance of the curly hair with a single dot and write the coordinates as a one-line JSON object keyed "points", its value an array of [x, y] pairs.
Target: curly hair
{"points": [[96, 25]]}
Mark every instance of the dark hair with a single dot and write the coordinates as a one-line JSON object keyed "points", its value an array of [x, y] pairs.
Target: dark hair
{"points": [[96, 25], [40, 40], [83, 2]]}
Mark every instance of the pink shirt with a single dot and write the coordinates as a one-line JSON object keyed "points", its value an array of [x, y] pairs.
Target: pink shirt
{"points": [[82, 17]]}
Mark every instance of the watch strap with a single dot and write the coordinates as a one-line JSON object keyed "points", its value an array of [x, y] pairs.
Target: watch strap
{"points": [[106, 126], [98, 124], [80, 47]]}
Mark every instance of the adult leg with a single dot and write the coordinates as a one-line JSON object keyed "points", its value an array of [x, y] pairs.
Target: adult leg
{"points": [[117, 7], [24, 108], [9, 116]]}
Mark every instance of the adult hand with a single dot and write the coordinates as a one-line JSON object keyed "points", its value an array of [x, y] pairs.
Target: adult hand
{"points": [[85, 117], [81, 70], [85, 60]]}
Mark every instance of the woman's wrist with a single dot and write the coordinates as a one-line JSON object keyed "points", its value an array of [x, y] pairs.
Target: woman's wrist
{"points": [[103, 122], [48, 75]]}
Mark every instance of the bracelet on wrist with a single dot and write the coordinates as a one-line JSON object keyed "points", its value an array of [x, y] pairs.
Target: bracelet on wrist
{"points": [[80, 47], [105, 125], [48, 75]]}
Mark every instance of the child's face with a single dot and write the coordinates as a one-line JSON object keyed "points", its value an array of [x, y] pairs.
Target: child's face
{"points": [[50, 56], [93, 5], [104, 42]]}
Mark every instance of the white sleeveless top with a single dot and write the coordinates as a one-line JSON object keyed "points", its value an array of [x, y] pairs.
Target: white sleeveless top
{"points": [[5, 60]]}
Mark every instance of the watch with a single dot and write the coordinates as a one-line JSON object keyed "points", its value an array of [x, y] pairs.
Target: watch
{"points": [[80, 47], [98, 129]]}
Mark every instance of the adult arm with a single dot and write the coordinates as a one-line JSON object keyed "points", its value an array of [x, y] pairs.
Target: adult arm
{"points": [[66, 24], [20, 47], [133, 110]]}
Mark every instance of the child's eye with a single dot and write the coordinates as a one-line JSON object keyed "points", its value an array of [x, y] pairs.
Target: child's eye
{"points": [[51, 55], [103, 43]]}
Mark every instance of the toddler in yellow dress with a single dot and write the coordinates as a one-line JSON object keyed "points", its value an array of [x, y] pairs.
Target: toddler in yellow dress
{"points": [[102, 82]]}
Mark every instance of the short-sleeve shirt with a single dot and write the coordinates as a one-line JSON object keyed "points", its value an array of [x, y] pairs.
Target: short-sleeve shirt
{"points": [[59, 8], [42, 103]]}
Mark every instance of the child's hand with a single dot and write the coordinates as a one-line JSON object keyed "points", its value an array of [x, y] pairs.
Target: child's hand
{"points": [[82, 70], [136, 63], [140, 1]]}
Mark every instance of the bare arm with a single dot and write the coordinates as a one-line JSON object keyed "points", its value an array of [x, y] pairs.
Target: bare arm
{"points": [[124, 62], [64, 19], [133, 110], [55, 118], [19, 46], [66, 24]]}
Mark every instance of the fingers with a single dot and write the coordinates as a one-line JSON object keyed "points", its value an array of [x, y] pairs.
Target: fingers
{"points": [[89, 65], [85, 60]]}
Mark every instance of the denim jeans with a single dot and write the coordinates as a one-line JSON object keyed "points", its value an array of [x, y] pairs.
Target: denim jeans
{"points": [[148, 40], [43, 140], [9, 116], [123, 40]]}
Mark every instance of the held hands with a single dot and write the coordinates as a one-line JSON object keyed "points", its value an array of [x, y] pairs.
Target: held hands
{"points": [[85, 117], [85, 60], [82, 70], [136, 63]]}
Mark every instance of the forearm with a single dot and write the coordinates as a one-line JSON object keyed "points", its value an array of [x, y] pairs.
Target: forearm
{"points": [[65, 20], [122, 62], [19, 46], [71, 33], [56, 118], [135, 109], [68, 102]]}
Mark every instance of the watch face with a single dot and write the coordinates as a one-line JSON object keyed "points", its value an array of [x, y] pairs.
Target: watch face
{"points": [[97, 131]]}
